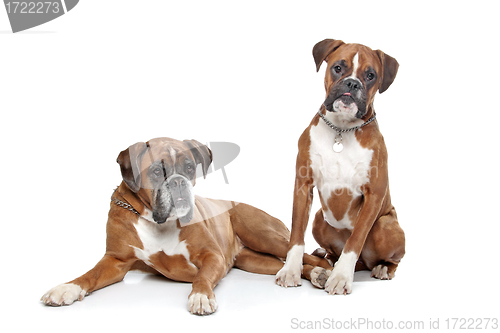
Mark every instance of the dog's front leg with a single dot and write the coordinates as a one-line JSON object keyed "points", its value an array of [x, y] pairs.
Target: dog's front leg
{"points": [[107, 271], [290, 274], [342, 276], [202, 301]]}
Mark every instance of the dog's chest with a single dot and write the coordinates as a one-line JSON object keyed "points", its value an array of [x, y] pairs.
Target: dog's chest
{"points": [[159, 238], [338, 174]]}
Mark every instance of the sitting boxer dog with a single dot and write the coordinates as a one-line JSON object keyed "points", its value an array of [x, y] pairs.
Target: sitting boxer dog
{"points": [[343, 154], [156, 224]]}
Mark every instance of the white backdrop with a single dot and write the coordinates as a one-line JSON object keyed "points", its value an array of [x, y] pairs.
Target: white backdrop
{"points": [[76, 91]]}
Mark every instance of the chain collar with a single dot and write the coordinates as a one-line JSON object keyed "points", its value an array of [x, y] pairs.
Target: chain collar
{"points": [[340, 130], [125, 205], [337, 145]]}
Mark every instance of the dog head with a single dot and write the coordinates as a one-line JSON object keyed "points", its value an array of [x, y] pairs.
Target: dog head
{"points": [[162, 173], [354, 74]]}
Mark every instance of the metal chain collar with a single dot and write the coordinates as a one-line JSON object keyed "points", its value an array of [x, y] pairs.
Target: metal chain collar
{"points": [[340, 130], [124, 205]]}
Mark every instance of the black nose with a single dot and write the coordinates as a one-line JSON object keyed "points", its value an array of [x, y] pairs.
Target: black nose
{"points": [[352, 84], [178, 187], [177, 182]]}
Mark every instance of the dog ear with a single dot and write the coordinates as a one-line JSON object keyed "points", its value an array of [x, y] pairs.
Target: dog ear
{"points": [[322, 49], [390, 66], [202, 154], [129, 161]]}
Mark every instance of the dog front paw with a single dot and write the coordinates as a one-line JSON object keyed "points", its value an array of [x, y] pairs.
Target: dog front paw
{"points": [[339, 283], [201, 304], [291, 272], [288, 277], [63, 294]]}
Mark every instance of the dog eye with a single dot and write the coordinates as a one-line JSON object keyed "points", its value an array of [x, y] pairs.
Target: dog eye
{"points": [[337, 69], [370, 76], [157, 172]]}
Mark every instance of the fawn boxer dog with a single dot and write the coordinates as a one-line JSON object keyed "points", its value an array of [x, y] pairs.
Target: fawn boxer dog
{"points": [[156, 224], [343, 154]]}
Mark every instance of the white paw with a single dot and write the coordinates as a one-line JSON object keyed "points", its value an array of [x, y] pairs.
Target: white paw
{"points": [[319, 276], [380, 272], [290, 274], [339, 284], [63, 294], [200, 304], [289, 277], [342, 277]]}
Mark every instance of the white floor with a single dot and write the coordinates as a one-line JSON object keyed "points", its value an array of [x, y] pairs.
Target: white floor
{"points": [[251, 302]]}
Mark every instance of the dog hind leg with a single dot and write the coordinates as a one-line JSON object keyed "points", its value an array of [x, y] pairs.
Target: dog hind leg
{"points": [[262, 263]]}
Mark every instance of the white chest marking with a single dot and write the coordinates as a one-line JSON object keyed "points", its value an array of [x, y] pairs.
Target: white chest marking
{"points": [[338, 173], [159, 237]]}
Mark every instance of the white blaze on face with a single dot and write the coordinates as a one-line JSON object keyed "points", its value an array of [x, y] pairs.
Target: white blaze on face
{"points": [[355, 65], [173, 155]]}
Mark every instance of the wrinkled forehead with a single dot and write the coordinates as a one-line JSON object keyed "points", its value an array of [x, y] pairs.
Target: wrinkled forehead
{"points": [[363, 55], [169, 152]]}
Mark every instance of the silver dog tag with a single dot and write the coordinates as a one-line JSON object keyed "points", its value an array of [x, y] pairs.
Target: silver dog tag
{"points": [[338, 147]]}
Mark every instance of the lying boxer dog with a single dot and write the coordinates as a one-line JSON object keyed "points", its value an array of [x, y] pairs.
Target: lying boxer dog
{"points": [[156, 224], [343, 154]]}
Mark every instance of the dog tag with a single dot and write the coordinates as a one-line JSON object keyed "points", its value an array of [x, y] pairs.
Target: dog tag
{"points": [[338, 147]]}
